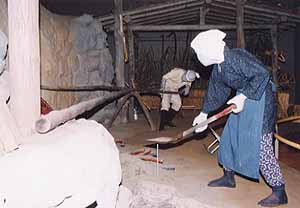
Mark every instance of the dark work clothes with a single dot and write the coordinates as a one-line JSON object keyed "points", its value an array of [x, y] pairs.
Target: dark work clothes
{"points": [[241, 71]]}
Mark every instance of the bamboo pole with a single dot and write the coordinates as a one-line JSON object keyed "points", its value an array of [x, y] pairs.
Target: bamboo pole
{"points": [[55, 118]]}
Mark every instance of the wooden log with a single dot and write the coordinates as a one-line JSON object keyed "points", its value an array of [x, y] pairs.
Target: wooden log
{"points": [[24, 62], [9, 132], [55, 118]]}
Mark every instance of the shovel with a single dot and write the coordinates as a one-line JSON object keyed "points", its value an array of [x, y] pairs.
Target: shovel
{"points": [[186, 133]]}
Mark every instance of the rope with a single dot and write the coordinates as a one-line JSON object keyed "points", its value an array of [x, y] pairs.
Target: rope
{"points": [[284, 140]]}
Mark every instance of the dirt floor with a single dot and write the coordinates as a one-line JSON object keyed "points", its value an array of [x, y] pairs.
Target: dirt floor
{"points": [[186, 170]]}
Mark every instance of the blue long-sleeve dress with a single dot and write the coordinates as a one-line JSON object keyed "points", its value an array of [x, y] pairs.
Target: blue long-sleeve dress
{"points": [[242, 148]]}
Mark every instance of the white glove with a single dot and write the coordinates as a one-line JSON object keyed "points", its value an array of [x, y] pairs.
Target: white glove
{"points": [[199, 119], [238, 101]]}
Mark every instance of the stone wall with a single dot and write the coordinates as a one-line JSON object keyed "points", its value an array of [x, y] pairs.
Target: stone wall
{"points": [[73, 53]]}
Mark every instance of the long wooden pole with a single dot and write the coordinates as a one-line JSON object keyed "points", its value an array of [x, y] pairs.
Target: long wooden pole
{"points": [[119, 49], [24, 62], [55, 118]]}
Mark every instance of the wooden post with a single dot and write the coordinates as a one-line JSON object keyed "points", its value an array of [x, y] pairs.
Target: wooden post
{"points": [[240, 23], [202, 16], [274, 37], [203, 11], [24, 62], [119, 48], [297, 64], [131, 71]]}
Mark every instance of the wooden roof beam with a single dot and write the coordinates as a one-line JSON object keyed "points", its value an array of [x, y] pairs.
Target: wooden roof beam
{"points": [[196, 27]]}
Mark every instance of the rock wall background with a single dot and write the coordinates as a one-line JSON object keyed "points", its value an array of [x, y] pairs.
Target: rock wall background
{"points": [[73, 53]]}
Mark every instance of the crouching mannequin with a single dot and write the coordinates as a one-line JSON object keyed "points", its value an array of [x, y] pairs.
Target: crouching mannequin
{"points": [[246, 142], [177, 80]]}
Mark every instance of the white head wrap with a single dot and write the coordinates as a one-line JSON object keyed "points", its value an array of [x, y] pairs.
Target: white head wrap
{"points": [[209, 47]]}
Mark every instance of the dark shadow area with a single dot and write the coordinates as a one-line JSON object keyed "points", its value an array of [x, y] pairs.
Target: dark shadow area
{"points": [[287, 154], [94, 205]]}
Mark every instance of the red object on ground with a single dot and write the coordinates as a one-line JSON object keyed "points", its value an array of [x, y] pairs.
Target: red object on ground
{"points": [[45, 107], [152, 159], [143, 151]]}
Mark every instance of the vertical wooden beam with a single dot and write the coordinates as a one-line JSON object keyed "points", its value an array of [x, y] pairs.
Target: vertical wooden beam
{"points": [[274, 36], [119, 44], [240, 23], [202, 13], [297, 64], [119, 49], [24, 62], [131, 71], [202, 16]]}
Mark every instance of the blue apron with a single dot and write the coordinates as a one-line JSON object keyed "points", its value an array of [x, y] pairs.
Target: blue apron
{"points": [[240, 142]]}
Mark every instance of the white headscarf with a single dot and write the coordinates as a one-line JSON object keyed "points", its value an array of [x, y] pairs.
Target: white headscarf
{"points": [[209, 47]]}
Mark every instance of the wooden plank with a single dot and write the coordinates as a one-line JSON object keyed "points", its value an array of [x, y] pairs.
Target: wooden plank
{"points": [[24, 62]]}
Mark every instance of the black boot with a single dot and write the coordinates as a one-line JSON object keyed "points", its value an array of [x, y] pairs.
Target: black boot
{"points": [[278, 197], [163, 119], [227, 180], [171, 114]]}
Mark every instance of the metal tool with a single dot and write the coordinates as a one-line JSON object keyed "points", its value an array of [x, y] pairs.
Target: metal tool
{"points": [[215, 144], [188, 132]]}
